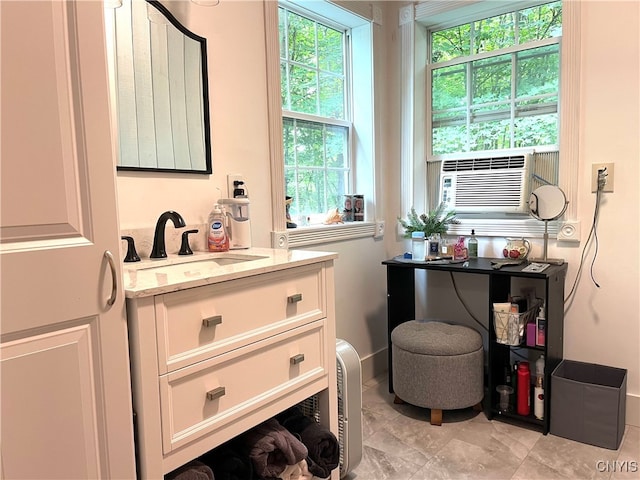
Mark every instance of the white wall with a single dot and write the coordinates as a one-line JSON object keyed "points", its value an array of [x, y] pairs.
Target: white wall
{"points": [[601, 325]]}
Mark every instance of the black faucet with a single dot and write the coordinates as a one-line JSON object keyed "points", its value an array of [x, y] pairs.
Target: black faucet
{"points": [[158, 250]]}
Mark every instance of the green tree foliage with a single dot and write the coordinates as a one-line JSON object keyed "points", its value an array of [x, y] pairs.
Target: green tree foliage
{"points": [[473, 102], [313, 82]]}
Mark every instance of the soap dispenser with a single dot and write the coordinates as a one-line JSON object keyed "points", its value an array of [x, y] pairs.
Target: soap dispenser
{"points": [[218, 239]]}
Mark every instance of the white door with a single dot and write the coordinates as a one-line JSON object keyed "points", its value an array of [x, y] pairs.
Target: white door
{"points": [[64, 372]]}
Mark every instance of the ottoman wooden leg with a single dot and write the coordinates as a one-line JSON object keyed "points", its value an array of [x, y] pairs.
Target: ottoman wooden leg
{"points": [[397, 400], [436, 416], [478, 407]]}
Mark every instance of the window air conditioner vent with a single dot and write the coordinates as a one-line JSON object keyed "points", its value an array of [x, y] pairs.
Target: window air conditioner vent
{"points": [[478, 185], [493, 163]]}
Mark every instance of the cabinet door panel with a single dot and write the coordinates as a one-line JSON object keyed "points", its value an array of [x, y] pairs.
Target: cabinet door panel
{"points": [[51, 377], [58, 218]]}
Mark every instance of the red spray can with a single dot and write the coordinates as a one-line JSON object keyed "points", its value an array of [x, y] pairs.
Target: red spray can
{"points": [[524, 387]]}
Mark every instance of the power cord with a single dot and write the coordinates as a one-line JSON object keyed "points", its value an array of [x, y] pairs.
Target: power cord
{"points": [[602, 181], [455, 289]]}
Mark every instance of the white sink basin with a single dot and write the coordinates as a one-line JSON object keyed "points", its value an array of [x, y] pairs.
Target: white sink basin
{"points": [[191, 264]]}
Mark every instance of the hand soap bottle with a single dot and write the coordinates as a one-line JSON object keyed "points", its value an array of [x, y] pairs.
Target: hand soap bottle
{"points": [[218, 239]]}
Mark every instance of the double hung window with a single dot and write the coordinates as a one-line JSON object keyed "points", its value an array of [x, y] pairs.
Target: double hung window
{"points": [[316, 113]]}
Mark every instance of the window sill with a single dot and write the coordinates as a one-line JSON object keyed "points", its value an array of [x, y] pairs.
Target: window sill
{"points": [[528, 227], [317, 234]]}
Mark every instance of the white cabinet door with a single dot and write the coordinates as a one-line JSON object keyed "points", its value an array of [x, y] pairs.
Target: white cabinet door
{"points": [[65, 388]]}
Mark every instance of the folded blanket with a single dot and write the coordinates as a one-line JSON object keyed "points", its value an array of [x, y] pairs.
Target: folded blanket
{"points": [[272, 447], [194, 470], [322, 445], [230, 461]]}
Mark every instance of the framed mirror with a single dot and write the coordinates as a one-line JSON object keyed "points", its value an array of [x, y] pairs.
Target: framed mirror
{"points": [[159, 69]]}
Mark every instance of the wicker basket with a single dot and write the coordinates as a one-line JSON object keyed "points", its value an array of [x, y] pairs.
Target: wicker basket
{"points": [[510, 327]]}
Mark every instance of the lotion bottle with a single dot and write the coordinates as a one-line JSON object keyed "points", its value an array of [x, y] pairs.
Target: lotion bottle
{"points": [[541, 328], [538, 392], [218, 239]]}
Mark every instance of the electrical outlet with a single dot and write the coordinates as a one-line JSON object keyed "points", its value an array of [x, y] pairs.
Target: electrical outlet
{"points": [[608, 186], [230, 179], [379, 233], [569, 231]]}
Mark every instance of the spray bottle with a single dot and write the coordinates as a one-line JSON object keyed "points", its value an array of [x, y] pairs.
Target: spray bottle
{"points": [[218, 239]]}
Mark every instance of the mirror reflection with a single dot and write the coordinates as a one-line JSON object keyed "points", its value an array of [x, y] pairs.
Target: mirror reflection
{"points": [[161, 89]]}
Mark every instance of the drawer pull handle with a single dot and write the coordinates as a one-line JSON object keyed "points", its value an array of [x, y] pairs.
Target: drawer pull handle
{"points": [[211, 321], [215, 393], [295, 298], [296, 359]]}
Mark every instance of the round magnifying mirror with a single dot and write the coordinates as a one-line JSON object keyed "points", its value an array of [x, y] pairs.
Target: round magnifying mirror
{"points": [[547, 202]]}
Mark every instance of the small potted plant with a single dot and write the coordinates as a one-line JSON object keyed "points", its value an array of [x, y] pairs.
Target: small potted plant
{"points": [[436, 221]]}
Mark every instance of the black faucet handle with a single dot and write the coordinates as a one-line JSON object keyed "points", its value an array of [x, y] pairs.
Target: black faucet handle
{"points": [[185, 249], [132, 255]]}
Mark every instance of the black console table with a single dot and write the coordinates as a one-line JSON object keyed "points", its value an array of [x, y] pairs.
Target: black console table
{"points": [[401, 308]]}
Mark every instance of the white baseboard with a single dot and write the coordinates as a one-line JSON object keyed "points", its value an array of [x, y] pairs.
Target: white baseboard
{"points": [[632, 415], [374, 365]]}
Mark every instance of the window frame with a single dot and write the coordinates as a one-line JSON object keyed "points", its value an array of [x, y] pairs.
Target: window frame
{"points": [[363, 154], [413, 22], [467, 61]]}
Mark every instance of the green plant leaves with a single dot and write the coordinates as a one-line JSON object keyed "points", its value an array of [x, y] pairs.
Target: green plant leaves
{"points": [[436, 221]]}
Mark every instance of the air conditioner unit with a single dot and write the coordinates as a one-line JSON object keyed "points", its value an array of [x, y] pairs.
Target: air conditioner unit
{"points": [[492, 184]]}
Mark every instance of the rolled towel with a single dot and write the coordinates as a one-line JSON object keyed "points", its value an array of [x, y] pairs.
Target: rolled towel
{"points": [[194, 470], [321, 443], [272, 447], [230, 461]]}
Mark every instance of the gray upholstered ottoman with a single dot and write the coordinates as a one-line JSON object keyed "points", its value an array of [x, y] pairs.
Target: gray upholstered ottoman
{"points": [[438, 366]]}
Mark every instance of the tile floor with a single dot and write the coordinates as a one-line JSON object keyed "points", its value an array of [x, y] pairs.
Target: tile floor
{"points": [[400, 444]]}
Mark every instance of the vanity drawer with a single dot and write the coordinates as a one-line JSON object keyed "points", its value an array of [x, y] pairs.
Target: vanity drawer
{"points": [[196, 324], [204, 397]]}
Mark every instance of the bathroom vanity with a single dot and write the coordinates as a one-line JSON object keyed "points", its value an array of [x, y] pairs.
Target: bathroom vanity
{"points": [[221, 342]]}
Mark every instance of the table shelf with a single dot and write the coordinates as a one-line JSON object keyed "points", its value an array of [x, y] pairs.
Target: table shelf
{"points": [[401, 308]]}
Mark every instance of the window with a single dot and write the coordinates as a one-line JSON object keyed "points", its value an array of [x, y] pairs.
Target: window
{"points": [[494, 82], [342, 157], [316, 113]]}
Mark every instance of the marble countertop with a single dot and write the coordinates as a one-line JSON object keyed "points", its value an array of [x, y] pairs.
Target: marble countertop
{"points": [[152, 277]]}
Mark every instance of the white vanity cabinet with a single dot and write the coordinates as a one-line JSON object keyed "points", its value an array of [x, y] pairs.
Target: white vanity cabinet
{"points": [[212, 360]]}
